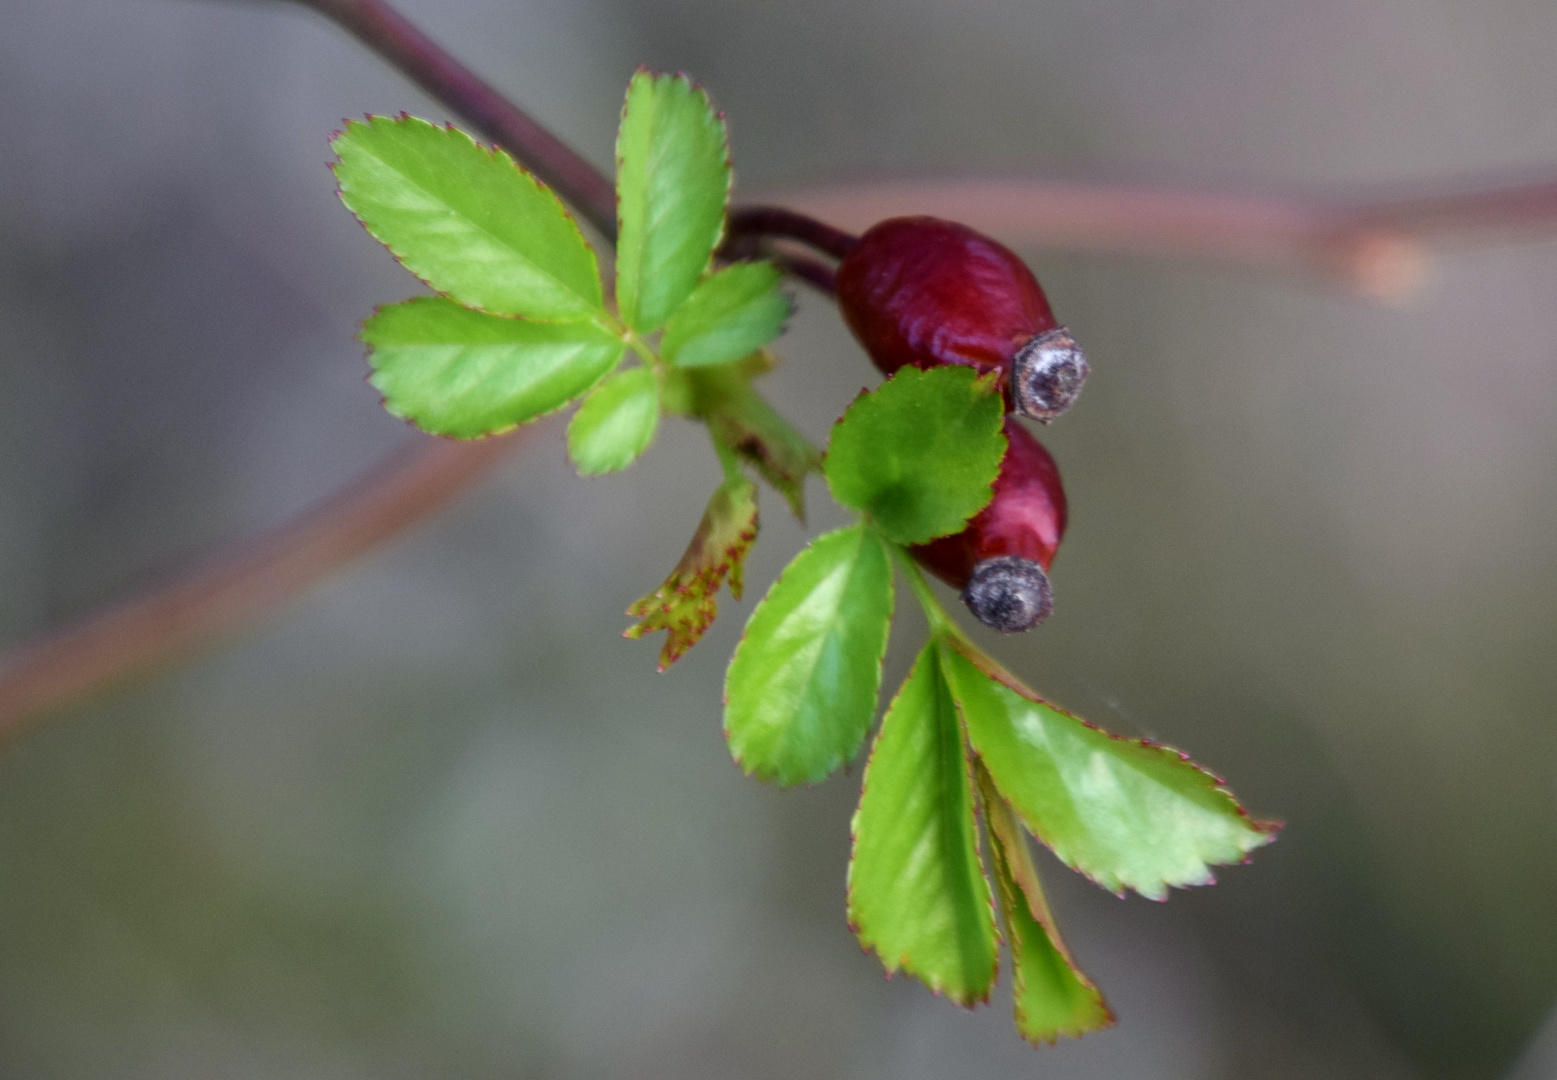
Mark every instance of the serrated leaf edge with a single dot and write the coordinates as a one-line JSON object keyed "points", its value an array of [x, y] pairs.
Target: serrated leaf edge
{"points": [[729, 162], [1265, 829], [812, 781], [496, 152], [901, 964], [384, 402], [1013, 890]]}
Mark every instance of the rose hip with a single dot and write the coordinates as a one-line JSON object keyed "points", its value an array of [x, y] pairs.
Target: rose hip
{"points": [[1000, 561], [927, 292]]}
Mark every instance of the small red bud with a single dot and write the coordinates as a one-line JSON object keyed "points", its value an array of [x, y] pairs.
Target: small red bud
{"points": [[927, 292], [1000, 559]]}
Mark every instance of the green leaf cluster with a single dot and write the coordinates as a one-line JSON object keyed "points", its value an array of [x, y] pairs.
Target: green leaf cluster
{"points": [[522, 325], [962, 740]]}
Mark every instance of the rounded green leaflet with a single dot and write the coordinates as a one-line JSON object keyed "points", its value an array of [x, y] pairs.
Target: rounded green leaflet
{"points": [[467, 220], [800, 692], [672, 183], [454, 371], [615, 423], [1128, 814], [731, 314], [919, 454], [918, 894]]}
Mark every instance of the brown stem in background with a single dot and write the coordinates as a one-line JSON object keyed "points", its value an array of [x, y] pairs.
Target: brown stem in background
{"points": [[242, 583], [1379, 247], [1376, 256]]}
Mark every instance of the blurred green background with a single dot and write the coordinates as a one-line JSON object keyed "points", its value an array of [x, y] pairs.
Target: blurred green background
{"points": [[440, 819]]}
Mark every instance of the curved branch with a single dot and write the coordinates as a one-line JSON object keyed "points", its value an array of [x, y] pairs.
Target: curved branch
{"points": [[757, 221], [241, 584]]}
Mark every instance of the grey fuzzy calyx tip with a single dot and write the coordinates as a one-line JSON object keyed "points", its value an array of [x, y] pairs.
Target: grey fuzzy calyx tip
{"points": [[1009, 593], [1047, 375]]}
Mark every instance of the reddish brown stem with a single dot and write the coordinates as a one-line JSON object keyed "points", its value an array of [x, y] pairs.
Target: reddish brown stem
{"points": [[814, 272], [777, 221], [240, 584], [423, 61]]}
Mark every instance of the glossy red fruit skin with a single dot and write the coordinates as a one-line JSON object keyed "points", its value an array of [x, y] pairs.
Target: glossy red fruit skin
{"points": [[1026, 518], [927, 292]]}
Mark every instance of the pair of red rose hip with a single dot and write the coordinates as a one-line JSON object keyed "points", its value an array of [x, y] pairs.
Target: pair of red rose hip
{"points": [[927, 292]]}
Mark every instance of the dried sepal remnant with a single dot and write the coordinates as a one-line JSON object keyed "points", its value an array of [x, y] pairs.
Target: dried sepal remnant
{"points": [[685, 604], [1000, 560]]}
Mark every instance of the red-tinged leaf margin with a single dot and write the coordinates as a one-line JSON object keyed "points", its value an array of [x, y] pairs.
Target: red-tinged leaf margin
{"points": [[684, 605], [996, 673], [929, 654], [1022, 899], [493, 151]]}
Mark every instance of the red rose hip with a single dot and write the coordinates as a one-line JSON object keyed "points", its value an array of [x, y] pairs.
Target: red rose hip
{"points": [[1000, 561], [927, 292]]}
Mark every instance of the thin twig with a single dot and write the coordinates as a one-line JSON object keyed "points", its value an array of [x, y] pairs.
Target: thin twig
{"points": [[240, 584], [814, 272], [779, 221], [426, 63]]}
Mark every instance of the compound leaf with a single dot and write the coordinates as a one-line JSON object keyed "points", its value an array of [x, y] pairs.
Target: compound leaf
{"points": [[920, 453], [1052, 996], [684, 605], [616, 423], [454, 371], [1128, 814], [672, 182], [467, 220], [917, 890], [729, 315], [801, 689]]}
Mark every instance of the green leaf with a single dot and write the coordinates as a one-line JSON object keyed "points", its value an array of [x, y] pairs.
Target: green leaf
{"points": [[684, 605], [738, 418], [616, 423], [454, 371], [466, 220], [1053, 997], [917, 890], [920, 453], [672, 182], [801, 690], [729, 315], [746, 423], [1128, 814]]}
